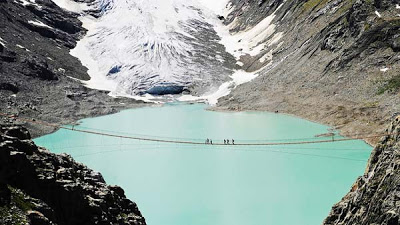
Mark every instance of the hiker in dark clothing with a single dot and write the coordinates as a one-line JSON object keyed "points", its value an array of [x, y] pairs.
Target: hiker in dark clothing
{"points": [[224, 142], [227, 141], [233, 141]]}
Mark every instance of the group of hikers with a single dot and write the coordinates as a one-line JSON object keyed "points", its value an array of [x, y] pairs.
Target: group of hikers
{"points": [[226, 142]]}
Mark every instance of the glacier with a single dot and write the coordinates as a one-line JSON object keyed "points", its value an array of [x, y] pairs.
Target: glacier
{"points": [[158, 47], [152, 50]]}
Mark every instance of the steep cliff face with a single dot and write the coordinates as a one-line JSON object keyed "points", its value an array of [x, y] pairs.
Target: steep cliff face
{"points": [[39, 188], [374, 197], [335, 61]]}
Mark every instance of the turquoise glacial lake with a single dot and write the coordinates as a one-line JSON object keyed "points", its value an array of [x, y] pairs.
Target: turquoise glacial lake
{"points": [[176, 184]]}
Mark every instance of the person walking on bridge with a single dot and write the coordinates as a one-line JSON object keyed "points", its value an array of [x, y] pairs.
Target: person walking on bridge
{"points": [[233, 141]]}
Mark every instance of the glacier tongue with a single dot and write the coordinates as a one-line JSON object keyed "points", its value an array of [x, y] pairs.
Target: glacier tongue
{"points": [[153, 46]]}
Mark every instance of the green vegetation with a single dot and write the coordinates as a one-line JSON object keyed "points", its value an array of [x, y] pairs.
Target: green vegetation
{"points": [[345, 21], [371, 104], [392, 85], [345, 7], [14, 213], [367, 26], [311, 4], [19, 199]]}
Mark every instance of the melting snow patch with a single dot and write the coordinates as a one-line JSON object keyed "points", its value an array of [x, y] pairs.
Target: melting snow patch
{"points": [[397, 6], [219, 58], [267, 56], [72, 78], [384, 69], [39, 24], [239, 63], [145, 98], [72, 5], [97, 79], [378, 14], [2, 41], [249, 41], [239, 77], [22, 47], [27, 2]]}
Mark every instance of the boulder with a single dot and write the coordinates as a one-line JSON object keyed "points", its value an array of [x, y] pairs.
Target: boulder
{"points": [[35, 67]]}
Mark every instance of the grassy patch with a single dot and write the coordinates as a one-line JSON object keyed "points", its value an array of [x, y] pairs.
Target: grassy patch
{"points": [[12, 216], [390, 85], [19, 199], [311, 4], [345, 7], [367, 26], [14, 213], [371, 104]]}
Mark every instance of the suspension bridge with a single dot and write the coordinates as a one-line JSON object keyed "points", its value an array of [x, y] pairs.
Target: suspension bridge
{"points": [[315, 140]]}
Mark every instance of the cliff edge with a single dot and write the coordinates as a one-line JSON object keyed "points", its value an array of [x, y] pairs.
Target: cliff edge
{"points": [[374, 197]]}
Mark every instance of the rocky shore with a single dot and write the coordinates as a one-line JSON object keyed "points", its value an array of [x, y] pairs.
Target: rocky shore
{"points": [[41, 188]]}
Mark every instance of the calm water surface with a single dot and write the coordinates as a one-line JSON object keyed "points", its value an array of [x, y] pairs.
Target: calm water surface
{"points": [[176, 184]]}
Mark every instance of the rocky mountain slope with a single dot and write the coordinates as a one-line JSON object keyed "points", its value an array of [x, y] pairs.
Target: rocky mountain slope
{"points": [[37, 73], [332, 61], [41, 188], [374, 197]]}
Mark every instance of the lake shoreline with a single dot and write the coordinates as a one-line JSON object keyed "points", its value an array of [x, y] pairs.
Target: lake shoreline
{"points": [[345, 130], [164, 163]]}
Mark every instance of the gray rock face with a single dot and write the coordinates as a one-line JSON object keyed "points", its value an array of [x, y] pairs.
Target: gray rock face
{"points": [[56, 189], [374, 197], [338, 62]]}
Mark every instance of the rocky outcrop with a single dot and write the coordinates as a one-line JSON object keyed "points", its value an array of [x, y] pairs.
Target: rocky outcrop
{"points": [[39, 188], [374, 197]]}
